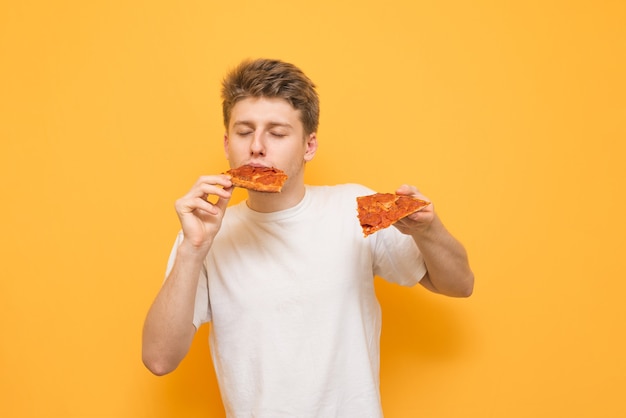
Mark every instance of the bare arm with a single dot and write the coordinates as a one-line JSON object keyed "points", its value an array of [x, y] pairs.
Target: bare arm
{"points": [[168, 329], [446, 260]]}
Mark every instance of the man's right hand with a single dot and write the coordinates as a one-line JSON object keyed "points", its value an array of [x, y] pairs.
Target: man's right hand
{"points": [[168, 328], [202, 209]]}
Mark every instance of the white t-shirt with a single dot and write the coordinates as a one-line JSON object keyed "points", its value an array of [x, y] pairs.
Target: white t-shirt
{"points": [[290, 295]]}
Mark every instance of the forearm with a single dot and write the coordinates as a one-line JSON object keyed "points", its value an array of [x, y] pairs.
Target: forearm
{"points": [[168, 329], [446, 260]]}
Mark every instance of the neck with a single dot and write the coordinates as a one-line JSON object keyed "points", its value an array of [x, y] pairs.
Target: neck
{"points": [[289, 197]]}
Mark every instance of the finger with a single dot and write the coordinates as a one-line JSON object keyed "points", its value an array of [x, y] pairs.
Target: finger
{"points": [[190, 204], [216, 209], [223, 198], [204, 190], [222, 202], [407, 190], [199, 196], [219, 179]]}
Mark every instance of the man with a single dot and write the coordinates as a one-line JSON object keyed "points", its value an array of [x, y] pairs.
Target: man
{"points": [[287, 279]]}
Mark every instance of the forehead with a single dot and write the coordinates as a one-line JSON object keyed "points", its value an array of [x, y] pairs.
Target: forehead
{"points": [[263, 110]]}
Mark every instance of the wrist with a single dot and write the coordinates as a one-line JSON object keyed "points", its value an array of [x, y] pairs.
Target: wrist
{"points": [[188, 250], [428, 231]]}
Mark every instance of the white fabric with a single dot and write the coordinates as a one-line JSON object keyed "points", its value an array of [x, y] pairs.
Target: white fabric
{"points": [[295, 320]]}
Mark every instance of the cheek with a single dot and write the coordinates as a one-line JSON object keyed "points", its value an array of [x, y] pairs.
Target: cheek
{"points": [[235, 155], [295, 160], [289, 152], [236, 148]]}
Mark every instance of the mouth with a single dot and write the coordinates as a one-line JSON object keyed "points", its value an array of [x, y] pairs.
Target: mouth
{"points": [[256, 164]]}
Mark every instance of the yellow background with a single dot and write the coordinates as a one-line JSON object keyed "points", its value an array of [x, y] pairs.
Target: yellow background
{"points": [[510, 116]]}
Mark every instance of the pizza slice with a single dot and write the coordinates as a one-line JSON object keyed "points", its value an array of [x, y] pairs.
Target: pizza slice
{"points": [[260, 179], [381, 210]]}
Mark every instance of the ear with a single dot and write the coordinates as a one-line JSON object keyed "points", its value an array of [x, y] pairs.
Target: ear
{"points": [[226, 144], [311, 147]]}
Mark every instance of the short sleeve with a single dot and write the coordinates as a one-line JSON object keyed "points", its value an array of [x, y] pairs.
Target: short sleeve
{"points": [[396, 257]]}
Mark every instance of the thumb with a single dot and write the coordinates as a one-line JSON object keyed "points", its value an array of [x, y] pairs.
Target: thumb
{"points": [[405, 189]]}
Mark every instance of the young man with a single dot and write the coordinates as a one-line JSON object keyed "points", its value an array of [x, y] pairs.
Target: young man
{"points": [[287, 279]]}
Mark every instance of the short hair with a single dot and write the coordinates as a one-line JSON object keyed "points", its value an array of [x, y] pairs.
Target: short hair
{"points": [[272, 79]]}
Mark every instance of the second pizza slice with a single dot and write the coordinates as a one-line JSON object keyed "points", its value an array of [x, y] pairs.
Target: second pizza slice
{"points": [[381, 210]]}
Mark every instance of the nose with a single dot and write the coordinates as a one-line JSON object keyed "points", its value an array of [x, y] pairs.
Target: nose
{"points": [[257, 147]]}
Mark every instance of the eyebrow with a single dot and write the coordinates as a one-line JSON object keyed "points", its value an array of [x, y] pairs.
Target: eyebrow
{"points": [[270, 124]]}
